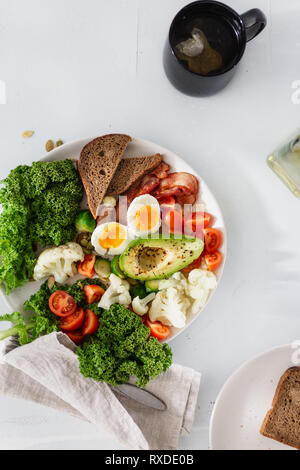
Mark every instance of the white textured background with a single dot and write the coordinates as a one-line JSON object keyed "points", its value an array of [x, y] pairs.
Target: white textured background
{"points": [[77, 68]]}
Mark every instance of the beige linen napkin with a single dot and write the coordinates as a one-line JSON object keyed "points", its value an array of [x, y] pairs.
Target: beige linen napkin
{"points": [[46, 372]]}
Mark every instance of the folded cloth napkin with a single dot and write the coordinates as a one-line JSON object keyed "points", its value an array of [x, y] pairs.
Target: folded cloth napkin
{"points": [[46, 372]]}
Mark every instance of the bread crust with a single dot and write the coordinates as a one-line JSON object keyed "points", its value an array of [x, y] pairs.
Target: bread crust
{"points": [[274, 405]]}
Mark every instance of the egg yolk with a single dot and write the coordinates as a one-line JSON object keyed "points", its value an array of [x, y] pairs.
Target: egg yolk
{"points": [[146, 218], [112, 236]]}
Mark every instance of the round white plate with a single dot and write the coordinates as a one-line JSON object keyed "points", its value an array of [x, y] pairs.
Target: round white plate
{"points": [[245, 400], [136, 148]]}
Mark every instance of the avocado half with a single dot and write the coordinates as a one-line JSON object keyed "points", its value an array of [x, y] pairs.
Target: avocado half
{"points": [[158, 258]]}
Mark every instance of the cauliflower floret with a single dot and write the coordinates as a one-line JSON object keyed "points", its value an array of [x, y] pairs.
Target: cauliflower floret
{"points": [[117, 293], [59, 262], [140, 306], [199, 286], [109, 201], [190, 294], [177, 280], [170, 308]]}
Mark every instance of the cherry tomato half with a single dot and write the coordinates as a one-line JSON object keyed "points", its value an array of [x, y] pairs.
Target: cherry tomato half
{"points": [[73, 322], [62, 304], [86, 267], [212, 239], [173, 219], [76, 336], [91, 323], [213, 260], [158, 330], [194, 265], [195, 222], [93, 293]]}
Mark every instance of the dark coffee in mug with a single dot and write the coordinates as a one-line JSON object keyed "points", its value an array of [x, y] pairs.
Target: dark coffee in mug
{"points": [[207, 40]]}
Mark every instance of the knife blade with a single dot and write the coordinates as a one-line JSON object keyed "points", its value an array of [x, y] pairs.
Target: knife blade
{"points": [[141, 396]]}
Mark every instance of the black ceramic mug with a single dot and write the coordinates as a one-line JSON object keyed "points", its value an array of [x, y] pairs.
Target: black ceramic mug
{"points": [[241, 28]]}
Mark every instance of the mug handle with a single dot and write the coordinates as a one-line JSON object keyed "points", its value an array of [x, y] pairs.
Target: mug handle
{"points": [[255, 21]]}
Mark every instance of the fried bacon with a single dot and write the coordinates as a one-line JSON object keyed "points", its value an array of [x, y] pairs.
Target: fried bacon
{"points": [[149, 183], [161, 171], [187, 199], [179, 185]]}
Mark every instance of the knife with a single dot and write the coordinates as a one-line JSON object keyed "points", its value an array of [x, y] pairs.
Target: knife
{"points": [[141, 396]]}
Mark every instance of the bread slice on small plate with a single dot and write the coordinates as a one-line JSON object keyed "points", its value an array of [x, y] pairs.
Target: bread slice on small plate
{"points": [[282, 422], [246, 397], [131, 170], [98, 162]]}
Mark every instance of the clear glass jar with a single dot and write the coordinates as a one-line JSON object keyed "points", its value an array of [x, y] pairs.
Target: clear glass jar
{"points": [[285, 162]]}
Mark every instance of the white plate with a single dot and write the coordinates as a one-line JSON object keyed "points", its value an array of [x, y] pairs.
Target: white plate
{"points": [[136, 148], [245, 400]]}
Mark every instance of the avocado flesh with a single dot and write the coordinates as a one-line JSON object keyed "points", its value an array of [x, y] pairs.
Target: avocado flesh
{"points": [[159, 258]]}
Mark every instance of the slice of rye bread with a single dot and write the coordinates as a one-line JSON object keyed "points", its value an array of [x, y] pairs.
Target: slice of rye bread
{"points": [[97, 164], [282, 422], [131, 170]]}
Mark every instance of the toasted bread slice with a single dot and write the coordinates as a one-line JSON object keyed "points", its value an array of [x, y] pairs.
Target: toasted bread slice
{"points": [[282, 422], [131, 170], [98, 162]]}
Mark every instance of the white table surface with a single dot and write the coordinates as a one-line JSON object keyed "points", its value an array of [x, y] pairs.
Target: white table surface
{"points": [[75, 69]]}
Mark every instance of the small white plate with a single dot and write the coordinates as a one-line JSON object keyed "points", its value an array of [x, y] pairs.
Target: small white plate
{"points": [[136, 148], [245, 400]]}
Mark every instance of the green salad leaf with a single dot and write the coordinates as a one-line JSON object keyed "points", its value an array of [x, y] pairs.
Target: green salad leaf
{"points": [[40, 203]]}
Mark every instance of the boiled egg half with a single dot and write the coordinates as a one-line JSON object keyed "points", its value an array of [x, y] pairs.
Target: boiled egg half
{"points": [[143, 216], [110, 239]]}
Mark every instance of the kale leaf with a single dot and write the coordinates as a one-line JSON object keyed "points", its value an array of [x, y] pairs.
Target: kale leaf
{"points": [[40, 203], [121, 349]]}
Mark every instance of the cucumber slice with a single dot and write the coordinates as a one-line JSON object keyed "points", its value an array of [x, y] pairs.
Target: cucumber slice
{"points": [[115, 267], [152, 286], [102, 268]]}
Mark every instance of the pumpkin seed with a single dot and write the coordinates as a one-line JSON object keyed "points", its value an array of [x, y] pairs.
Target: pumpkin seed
{"points": [[49, 145], [27, 134], [51, 282]]}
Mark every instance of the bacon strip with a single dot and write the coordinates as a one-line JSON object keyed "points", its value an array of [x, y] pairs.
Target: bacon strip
{"points": [[177, 184], [183, 200], [149, 183], [161, 171]]}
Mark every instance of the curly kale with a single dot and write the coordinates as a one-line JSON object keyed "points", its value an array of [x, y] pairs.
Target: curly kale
{"points": [[121, 349], [40, 203]]}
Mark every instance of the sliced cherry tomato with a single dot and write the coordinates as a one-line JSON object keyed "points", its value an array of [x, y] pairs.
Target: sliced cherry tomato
{"points": [[62, 304], [73, 322], [173, 219], [158, 330], [76, 336], [86, 267], [93, 293], [212, 239], [213, 260], [195, 222], [91, 323], [194, 265]]}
